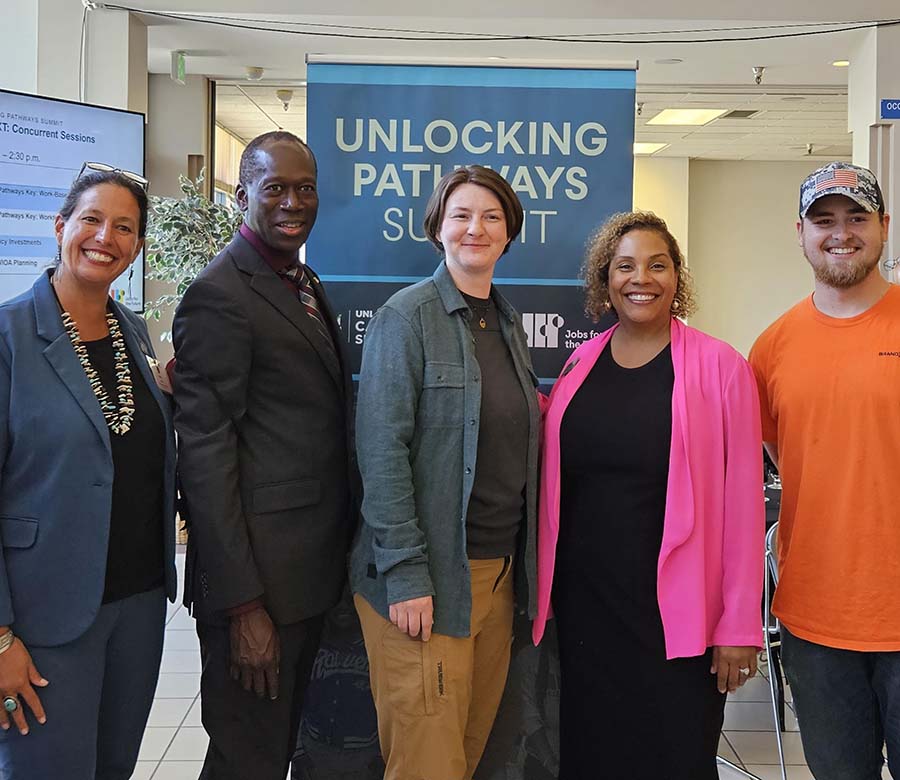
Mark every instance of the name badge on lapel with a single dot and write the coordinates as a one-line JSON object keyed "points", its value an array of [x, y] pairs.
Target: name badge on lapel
{"points": [[160, 375]]}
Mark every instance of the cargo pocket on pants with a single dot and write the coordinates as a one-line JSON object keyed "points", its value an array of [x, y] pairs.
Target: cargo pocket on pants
{"points": [[409, 672]]}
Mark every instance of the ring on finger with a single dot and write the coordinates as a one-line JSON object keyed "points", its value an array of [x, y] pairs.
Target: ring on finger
{"points": [[10, 703], [745, 670]]}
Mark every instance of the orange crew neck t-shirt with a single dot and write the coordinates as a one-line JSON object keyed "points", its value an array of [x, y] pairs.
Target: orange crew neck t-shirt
{"points": [[830, 396]]}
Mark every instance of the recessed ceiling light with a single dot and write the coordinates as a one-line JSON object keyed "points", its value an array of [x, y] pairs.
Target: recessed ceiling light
{"points": [[647, 148], [686, 116], [742, 113], [496, 58], [669, 61], [841, 63]]}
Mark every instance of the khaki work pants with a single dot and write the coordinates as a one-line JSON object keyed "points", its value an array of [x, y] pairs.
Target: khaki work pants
{"points": [[437, 700]]}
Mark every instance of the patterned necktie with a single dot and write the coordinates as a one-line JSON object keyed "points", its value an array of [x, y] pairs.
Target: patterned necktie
{"points": [[297, 274]]}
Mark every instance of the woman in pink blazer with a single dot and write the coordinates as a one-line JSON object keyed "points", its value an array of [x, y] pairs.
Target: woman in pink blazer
{"points": [[651, 526]]}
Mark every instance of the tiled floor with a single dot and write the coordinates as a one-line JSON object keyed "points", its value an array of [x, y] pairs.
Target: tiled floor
{"points": [[175, 743]]}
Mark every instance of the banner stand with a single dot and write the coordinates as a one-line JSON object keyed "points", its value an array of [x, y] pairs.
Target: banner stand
{"points": [[384, 131]]}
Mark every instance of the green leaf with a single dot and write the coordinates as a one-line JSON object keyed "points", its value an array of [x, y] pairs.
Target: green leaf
{"points": [[183, 235]]}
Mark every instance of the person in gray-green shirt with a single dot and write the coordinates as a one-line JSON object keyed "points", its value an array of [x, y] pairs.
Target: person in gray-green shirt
{"points": [[447, 439]]}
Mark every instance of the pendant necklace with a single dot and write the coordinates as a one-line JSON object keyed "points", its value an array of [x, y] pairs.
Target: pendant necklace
{"points": [[481, 312]]}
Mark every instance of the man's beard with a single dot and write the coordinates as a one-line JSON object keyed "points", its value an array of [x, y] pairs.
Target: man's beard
{"points": [[844, 275]]}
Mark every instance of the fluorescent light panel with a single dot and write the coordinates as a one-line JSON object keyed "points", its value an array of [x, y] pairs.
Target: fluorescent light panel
{"points": [[687, 116], [648, 148]]}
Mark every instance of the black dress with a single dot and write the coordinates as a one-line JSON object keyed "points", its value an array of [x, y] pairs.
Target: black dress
{"points": [[626, 713]]}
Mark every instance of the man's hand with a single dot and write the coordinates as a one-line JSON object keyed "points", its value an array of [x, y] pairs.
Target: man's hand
{"points": [[413, 616], [255, 652], [18, 676], [733, 666]]}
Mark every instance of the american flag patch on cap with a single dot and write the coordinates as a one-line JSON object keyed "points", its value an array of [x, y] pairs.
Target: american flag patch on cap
{"points": [[841, 178], [838, 177]]}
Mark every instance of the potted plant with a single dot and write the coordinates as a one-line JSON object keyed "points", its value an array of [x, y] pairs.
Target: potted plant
{"points": [[183, 235]]}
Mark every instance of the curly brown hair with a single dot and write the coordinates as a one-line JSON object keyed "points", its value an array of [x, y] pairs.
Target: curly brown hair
{"points": [[602, 248]]}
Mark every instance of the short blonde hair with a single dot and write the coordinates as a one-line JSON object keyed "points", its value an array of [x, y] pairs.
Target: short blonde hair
{"points": [[602, 248]]}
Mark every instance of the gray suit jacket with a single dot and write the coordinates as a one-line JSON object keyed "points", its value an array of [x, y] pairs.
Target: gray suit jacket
{"points": [[262, 411]]}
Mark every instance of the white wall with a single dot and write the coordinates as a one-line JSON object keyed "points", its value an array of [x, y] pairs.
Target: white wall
{"points": [[875, 75], [39, 45], [19, 44], [177, 125], [744, 254], [661, 185], [116, 61]]}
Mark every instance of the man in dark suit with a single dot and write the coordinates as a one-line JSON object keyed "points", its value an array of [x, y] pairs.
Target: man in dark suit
{"points": [[262, 397]]}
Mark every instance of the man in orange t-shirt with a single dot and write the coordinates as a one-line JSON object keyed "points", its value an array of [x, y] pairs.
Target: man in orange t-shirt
{"points": [[829, 383]]}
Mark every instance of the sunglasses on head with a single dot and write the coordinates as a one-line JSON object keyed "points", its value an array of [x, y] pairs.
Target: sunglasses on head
{"points": [[104, 168]]}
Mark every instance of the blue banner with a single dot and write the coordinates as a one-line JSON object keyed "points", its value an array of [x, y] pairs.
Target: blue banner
{"points": [[385, 134]]}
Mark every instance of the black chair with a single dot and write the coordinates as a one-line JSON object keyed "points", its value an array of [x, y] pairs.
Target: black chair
{"points": [[772, 639]]}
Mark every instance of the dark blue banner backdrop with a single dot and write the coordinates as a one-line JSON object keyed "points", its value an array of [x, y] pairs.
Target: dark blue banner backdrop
{"points": [[385, 134]]}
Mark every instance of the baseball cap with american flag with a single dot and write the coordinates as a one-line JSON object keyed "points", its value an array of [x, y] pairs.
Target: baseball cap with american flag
{"points": [[840, 178]]}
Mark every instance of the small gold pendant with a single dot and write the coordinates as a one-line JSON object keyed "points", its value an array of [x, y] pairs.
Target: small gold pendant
{"points": [[482, 323]]}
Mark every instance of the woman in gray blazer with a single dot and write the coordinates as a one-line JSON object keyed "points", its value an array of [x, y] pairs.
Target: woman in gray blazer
{"points": [[87, 467]]}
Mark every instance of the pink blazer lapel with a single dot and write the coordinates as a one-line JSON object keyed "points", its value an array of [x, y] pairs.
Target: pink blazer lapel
{"points": [[679, 517]]}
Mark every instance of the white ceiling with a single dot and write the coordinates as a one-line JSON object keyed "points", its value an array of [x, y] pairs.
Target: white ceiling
{"points": [[713, 74], [781, 130], [250, 109], [825, 10]]}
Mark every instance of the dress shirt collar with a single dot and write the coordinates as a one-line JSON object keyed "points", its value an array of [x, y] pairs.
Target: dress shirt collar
{"points": [[275, 262]]}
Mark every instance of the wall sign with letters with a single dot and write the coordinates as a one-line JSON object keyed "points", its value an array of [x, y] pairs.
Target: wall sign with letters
{"points": [[890, 109]]}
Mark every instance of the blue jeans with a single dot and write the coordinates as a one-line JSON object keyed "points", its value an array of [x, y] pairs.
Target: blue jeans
{"points": [[847, 704]]}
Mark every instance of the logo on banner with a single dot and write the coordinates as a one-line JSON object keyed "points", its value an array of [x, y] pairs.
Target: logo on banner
{"points": [[354, 324], [542, 329]]}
